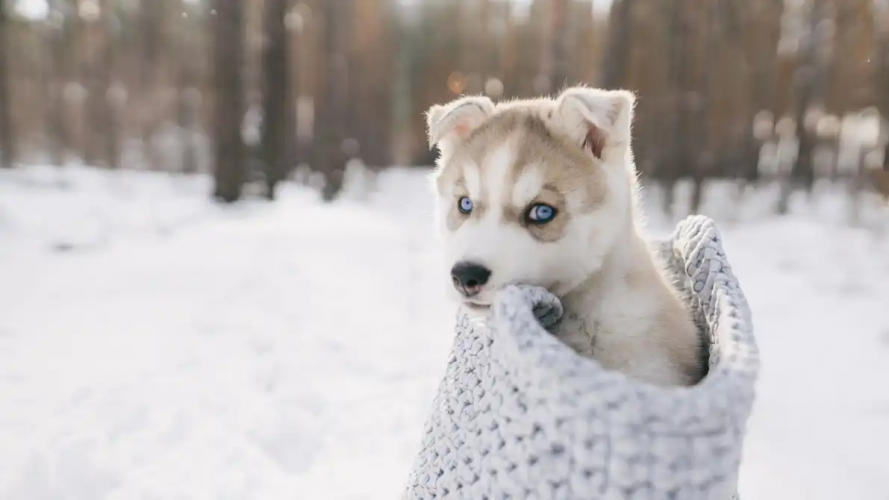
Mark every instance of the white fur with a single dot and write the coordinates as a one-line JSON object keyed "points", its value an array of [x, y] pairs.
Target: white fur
{"points": [[473, 175], [495, 179], [527, 186]]}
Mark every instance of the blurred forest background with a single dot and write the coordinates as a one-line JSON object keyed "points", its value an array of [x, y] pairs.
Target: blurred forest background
{"points": [[786, 92]]}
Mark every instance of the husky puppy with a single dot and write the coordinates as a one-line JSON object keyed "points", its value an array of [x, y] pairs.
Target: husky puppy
{"points": [[544, 191]]}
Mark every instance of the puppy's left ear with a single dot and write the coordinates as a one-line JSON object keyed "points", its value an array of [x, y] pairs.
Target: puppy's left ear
{"points": [[599, 120]]}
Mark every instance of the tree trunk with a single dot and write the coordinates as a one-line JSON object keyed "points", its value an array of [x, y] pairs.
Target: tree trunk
{"points": [[100, 129], [61, 57], [471, 30], [617, 51], [331, 127], [555, 58], [7, 133], [152, 15], [712, 20], [766, 27], [186, 114], [373, 76], [882, 82], [808, 82], [679, 158], [91, 115], [277, 123], [229, 100], [111, 97], [187, 109]]}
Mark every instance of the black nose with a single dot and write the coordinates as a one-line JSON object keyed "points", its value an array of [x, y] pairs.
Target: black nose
{"points": [[468, 278]]}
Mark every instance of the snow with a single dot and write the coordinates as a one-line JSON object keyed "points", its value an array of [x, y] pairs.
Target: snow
{"points": [[154, 345]]}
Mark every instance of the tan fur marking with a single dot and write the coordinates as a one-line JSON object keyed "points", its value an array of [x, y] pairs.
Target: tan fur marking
{"points": [[456, 218], [567, 166]]}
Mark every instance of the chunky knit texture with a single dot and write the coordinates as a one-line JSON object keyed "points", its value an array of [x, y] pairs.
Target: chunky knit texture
{"points": [[519, 415]]}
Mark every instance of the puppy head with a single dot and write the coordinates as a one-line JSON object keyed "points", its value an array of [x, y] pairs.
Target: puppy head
{"points": [[534, 191]]}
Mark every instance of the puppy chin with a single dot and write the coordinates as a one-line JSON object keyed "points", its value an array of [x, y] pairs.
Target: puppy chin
{"points": [[475, 307], [474, 311]]}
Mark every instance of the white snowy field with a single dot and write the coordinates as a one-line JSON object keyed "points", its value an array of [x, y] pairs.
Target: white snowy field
{"points": [[156, 346]]}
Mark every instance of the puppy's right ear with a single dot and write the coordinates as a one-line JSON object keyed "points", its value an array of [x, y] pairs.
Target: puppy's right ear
{"points": [[455, 120]]}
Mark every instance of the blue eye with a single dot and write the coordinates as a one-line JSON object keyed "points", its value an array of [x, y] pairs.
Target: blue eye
{"points": [[465, 205], [541, 213]]}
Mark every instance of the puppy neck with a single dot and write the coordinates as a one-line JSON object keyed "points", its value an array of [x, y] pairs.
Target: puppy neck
{"points": [[626, 268]]}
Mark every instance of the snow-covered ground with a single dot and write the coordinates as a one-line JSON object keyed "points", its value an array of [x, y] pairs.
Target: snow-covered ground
{"points": [[156, 346]]}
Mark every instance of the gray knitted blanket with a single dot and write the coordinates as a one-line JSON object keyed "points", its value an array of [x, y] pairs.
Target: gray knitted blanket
{"points": [[519, 415]]}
